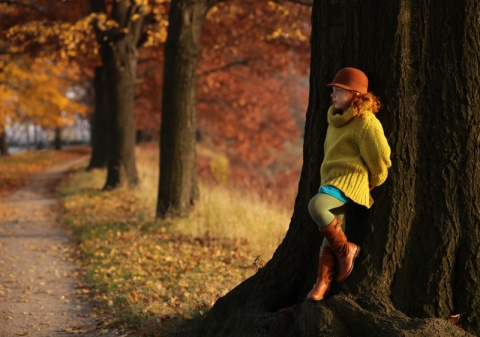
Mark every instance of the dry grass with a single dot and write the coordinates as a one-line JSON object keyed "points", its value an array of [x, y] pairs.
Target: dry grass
{"points": [[222, 211], [16, 169], [156, 276]]}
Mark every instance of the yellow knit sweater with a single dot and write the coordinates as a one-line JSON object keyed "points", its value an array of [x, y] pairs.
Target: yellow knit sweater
{"points": [[357, 154]]}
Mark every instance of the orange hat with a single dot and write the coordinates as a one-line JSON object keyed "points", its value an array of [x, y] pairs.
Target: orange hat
{"points": [[351, 79]]}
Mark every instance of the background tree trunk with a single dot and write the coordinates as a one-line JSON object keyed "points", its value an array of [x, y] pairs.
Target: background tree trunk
{"points": [[420, 241], [98, 121], [3, 143], [58, 138], [118, 49], [178, 187]]}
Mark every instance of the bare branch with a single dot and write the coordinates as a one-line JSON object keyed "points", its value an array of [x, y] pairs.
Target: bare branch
{"points": [[21, 4], [211, 3], [300, 2], [147, 60], [224, 67]]}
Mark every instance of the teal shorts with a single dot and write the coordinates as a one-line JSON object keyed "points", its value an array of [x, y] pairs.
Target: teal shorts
{"points": [[334, 192]]}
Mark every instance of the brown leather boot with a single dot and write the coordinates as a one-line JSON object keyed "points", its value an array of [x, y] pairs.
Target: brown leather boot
{"points": [[346, 252], [326, 265]]}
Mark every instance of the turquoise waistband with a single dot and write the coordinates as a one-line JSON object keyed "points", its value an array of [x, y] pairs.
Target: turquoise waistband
{"points": [[334, 192]]}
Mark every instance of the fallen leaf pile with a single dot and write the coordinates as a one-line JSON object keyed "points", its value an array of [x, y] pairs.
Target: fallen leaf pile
{"points": [[140, 270]]}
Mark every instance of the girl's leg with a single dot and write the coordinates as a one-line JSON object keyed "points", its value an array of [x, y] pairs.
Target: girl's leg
{"points": [[322, 209], [340, 214]]}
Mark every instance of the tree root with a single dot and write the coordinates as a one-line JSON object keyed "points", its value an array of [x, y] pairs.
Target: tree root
{"points": [[342, 316]]}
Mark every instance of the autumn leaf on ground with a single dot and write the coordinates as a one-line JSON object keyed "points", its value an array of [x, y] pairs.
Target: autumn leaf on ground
{"points": [[144, 271]]}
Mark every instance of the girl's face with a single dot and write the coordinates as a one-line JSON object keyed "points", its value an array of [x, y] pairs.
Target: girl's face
{"points": [[342, 98]]}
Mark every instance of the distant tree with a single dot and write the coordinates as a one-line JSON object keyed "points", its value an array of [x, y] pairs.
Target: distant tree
{"points": [[251, 52], [37, 84], [98, 121], [64, 30], [37, 91], [3, 143], [118, 29], [420, 258], [229, 102], [178, 188], [58, 139]]}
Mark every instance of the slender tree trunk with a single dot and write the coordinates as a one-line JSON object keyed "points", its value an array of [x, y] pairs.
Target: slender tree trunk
{"points": [[178, 188], [98, 121], [58, 138], [27, 129], [3, 143], [420, 259]]}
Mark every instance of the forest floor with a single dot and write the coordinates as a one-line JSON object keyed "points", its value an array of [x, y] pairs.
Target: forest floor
{"points": [[77, 261], [40, 294]]}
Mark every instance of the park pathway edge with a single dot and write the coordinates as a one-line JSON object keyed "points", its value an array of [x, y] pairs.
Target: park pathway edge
{"points": [[39, 292]]}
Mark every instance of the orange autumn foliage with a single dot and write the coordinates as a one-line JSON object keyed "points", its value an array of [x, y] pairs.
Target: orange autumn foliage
{"points": [[253, 79], [253, 66]]}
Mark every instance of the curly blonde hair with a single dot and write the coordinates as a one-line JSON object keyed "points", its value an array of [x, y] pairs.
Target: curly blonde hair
{"points": [[367, 100]]}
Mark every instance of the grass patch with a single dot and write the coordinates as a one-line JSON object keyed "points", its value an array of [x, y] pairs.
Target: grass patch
{"points": [[156, 276]]}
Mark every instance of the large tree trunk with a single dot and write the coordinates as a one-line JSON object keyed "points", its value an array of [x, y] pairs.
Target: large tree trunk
{"points": [[98, 121], [178, 188], [420, 257], [118, 49]]}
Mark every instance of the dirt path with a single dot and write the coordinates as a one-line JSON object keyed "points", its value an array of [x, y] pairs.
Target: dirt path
{"points": [[39, 293]]}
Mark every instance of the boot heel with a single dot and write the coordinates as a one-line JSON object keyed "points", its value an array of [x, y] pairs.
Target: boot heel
{"points": [[326, 266]]}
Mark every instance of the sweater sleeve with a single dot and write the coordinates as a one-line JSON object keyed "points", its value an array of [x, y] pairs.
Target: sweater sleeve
{"points": [[375, 151]]}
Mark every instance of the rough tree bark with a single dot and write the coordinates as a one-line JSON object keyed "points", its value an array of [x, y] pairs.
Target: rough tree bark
{"points": [[178, 187], [420, 257], [118, 50], [98, 121]]}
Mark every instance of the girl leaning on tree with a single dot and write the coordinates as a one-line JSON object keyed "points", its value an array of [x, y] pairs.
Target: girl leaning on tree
{"points": [[357, 158]]}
